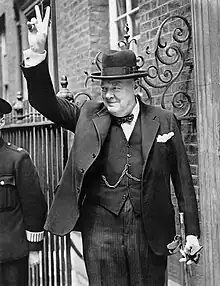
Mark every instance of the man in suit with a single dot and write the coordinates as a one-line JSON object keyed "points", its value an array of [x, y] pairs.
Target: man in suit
{"points": [[115, 187], [22, 211]]}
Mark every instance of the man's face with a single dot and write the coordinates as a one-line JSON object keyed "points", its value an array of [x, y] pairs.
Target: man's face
{"points": [[118, 96]]}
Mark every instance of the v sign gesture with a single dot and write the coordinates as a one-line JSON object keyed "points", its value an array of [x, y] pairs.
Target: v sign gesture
{"points": [[38, 30]]}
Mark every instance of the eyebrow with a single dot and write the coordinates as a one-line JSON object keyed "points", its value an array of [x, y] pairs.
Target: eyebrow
{"points": [[114, 83]]}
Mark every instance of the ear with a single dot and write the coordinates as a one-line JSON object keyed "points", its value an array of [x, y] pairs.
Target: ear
{"points": [[136, 87], [136, 83]]}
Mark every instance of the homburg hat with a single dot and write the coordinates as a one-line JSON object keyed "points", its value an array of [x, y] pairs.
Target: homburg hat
{"points": [[119, 65], [5, 106]]}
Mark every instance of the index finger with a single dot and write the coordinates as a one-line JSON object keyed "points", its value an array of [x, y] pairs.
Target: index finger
{"points": [[38, 14], [47, 16]]}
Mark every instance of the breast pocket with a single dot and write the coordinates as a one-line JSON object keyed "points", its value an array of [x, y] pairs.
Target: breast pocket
{"points": [[162, 147], [8, 195]]}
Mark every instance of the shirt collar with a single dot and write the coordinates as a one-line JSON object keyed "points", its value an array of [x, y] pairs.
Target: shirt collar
{"points": [[136, 111]]}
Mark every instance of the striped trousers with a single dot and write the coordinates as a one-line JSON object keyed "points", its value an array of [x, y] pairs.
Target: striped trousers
{"points": [[116, 251]]}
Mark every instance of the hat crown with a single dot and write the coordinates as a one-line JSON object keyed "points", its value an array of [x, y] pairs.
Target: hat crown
{"points": [[117, 65], [125, 58]]}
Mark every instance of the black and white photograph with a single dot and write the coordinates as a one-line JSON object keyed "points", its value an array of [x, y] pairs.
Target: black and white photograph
{"points": [[109, 143]]}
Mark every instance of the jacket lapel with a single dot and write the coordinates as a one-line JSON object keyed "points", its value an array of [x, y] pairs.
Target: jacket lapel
{"points": [[102, 122], [149, 128]]}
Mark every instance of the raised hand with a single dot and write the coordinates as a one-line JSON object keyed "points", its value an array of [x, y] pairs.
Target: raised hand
{"points": [[38, 30]]}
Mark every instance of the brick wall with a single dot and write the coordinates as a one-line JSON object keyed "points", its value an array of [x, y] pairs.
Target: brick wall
{"points": [[152, 14], [73, 40], [82, 30]]}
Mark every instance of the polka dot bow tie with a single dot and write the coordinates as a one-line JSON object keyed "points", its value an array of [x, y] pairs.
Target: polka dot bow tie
{"points": [[125, 119]]}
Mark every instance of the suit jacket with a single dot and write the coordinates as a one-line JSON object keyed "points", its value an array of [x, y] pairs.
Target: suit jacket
{"points": [[162, 161], [22, 204]]}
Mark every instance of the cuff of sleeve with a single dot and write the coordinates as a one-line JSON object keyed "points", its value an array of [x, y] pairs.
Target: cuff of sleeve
{"points": [[32, 59], [191, 238], [34, 236], [35, 246]]}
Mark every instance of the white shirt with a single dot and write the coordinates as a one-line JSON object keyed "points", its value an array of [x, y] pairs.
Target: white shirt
{"points": [[32, 59], [128, 127]]}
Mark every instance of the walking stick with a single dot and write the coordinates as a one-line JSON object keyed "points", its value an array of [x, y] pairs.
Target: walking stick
{"points": [[187, 268], [178, 244]]}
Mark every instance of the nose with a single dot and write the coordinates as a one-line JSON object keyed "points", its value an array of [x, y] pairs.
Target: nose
{"points": [[109, 94]]}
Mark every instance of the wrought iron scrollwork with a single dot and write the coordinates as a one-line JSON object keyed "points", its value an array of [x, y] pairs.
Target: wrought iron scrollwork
{"points": [[159, 75], [126, 42], [81, 97], [97, 61]]}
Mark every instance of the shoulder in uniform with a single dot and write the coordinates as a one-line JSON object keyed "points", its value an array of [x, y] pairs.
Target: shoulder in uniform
{"points": [[14, 147]]}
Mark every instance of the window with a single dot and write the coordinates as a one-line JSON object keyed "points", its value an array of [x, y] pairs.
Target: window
{"points": [[26, 13], [3, 60], [123, 12]]}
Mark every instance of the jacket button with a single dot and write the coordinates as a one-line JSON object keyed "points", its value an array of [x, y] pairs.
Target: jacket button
{"points": [[2, 182], [93, 155], [129, 155], [82, 170]]}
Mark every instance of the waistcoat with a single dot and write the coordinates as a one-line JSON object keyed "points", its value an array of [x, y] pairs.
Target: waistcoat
{"points": [[116, 174]]}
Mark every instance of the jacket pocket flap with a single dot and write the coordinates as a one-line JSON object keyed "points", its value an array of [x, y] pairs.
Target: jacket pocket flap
{"points": [[7, 180]]}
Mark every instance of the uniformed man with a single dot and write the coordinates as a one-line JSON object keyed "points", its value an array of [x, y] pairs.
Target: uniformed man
{"points": [[22, 211]]}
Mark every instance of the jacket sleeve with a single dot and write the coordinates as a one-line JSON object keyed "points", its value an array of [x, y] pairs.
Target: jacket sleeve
{"points": [[182, 181], [32, 201], [42, 97]]}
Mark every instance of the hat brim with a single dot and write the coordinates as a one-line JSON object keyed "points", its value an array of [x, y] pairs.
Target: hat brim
{"points": [[5, 107], [97, 75]]}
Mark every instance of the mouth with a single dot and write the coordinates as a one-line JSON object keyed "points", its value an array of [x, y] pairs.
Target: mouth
{"points": [[111, 102]]}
